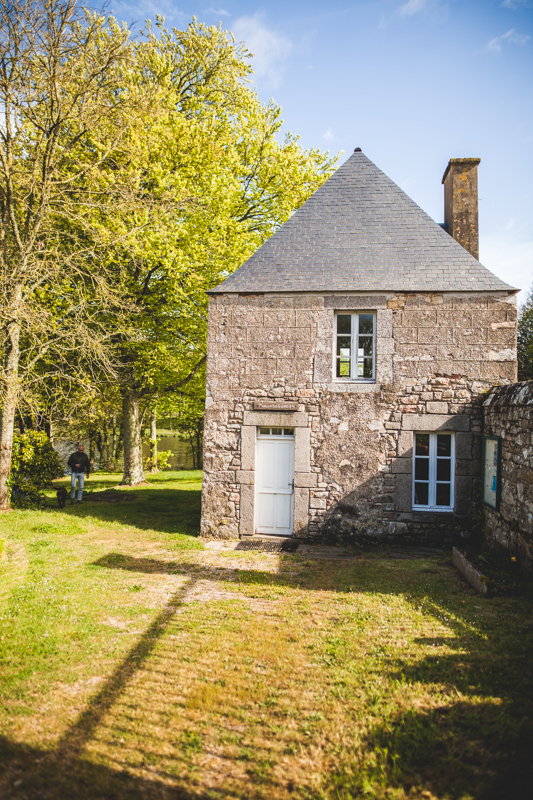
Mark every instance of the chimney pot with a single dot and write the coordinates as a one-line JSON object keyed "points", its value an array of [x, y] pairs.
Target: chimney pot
{"points": [[461, 202]]}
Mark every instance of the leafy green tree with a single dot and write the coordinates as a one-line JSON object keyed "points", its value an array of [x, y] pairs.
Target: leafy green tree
{"points": [[525, 339], [34, 465], [224, 182], [67, 101]]}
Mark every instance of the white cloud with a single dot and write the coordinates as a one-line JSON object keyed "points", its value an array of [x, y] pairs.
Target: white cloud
{"points": [[219, 11], [510, 225], [413, 7], [270, 49], [495, 45], [328, 135]]}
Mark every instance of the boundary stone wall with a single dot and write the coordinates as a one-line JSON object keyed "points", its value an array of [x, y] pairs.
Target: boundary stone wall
{"points": [[508, 413]]}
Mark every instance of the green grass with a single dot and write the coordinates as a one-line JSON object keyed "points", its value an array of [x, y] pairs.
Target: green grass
{"points": [[134, 663]]}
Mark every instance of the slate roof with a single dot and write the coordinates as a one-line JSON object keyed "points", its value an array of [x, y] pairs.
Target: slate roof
{"points": [[360, 232]]}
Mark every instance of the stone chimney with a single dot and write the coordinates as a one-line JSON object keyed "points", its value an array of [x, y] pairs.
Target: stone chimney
{"points": [[460, 202]]}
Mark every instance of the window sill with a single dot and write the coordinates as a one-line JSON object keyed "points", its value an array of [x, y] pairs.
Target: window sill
{"points": [[434, 509], [354, 386]]}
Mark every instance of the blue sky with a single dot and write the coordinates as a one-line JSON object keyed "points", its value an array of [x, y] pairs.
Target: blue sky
{"points": [[411, 82]]}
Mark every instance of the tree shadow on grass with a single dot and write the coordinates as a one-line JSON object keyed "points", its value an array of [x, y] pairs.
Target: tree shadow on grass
{"points": [[460, 750], [158, 566], [63, 772], [35, 774], [479, 747], [164, 510]]}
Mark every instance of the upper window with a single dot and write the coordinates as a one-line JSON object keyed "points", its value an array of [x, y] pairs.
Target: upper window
{"points": [[433, 471], [355, 347]]}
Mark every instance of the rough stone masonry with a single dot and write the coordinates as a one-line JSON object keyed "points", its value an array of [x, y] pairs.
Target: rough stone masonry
{"points": [[436, 356], [445, 333], [508, 414]]}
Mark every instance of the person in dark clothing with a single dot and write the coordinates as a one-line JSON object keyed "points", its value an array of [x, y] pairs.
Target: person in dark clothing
{"points": [[79, 467]]}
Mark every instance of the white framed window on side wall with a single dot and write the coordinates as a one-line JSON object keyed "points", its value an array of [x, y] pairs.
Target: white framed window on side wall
{"points": [[433, 471], [355, 346]]}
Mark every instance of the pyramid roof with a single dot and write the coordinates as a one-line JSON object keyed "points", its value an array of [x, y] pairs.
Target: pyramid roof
{"points": [[360, 232]]}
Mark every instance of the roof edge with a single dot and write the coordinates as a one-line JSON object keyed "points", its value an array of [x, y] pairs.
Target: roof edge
{"points": [[507, 290]]}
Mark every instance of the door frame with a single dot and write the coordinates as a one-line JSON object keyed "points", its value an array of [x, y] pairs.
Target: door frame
{"points": [[304, 479], [277, 437]]}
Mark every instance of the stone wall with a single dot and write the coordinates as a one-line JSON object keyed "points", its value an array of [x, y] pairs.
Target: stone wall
{"points": [[508, 413], [436, 355]]}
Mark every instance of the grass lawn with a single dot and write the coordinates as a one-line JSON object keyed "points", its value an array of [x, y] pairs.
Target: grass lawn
{"points": [[135, 663]]}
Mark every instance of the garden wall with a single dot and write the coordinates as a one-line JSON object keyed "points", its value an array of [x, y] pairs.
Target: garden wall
{"points": [[508, 413]]}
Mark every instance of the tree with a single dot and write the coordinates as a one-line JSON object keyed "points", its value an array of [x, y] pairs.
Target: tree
{"points": [[214, 151], [66, 106], [525, 339]]}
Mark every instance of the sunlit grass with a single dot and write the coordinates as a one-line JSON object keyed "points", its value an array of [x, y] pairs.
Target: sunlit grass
{"points": [[136, 664]]}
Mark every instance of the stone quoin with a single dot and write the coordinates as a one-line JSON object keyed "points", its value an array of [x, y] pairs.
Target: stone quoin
{"points": [[347, 363]]}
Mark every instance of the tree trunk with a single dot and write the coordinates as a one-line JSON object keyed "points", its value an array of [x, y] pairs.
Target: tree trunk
{"points": [[11, 361], [133, 462], [199, 447], [92, 447], [153, 442], [118, 441]]}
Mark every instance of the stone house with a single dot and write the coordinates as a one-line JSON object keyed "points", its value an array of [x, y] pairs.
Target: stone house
{"points": [[347, 361]]}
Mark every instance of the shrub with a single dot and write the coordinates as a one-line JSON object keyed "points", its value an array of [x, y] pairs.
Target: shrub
{"points": [[161, 460], [34, 464]]}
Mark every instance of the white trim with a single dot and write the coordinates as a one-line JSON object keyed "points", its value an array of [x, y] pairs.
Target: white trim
{"points": [[432, 472], [354, 341]]}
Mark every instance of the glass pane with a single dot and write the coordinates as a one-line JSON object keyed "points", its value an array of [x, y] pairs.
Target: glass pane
{"points": [[343, 368], [422, 444], [443, 494], [344, 323], [366, 345], [421, 494], [366, 323], [343, 346], [288, 431], [368, 372], [443, 469], [444, 444], [264, 431], [277, 431], [422, 469]]}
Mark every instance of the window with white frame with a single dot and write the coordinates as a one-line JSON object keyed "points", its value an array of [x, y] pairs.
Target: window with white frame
{"points": [[433, 471], [355, 352]]}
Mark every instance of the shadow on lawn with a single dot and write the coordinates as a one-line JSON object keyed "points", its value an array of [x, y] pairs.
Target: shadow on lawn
{"points": [[165, 510], [37, 774], [478, 748], [63, 773]]}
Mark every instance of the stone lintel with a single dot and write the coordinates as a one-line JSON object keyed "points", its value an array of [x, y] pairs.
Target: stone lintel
{"points": [[435, 422], [354, 302], [275, 419]]}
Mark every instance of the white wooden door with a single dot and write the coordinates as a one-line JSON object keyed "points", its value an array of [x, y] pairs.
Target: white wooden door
{"points": [[274, 498]]}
